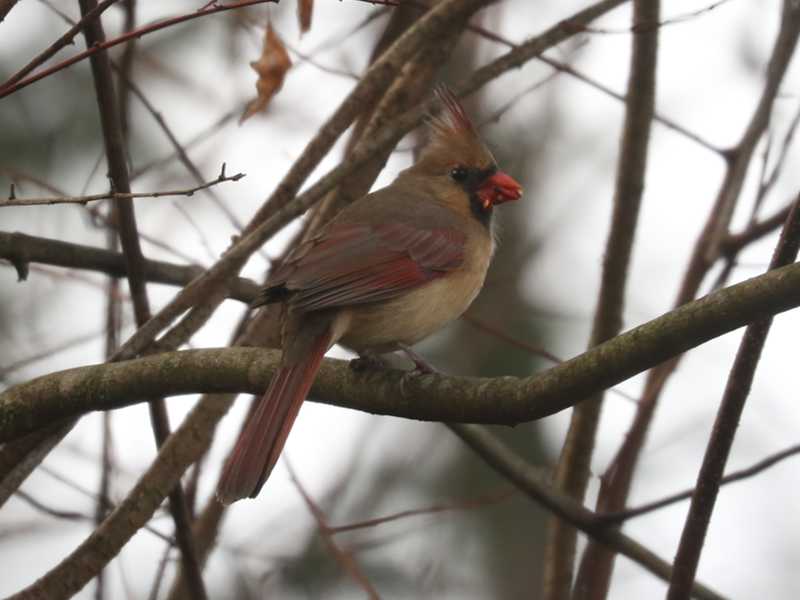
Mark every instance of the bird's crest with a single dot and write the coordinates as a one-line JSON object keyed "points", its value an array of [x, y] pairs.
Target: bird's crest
{"points": [[453, 118], [452, 136]]}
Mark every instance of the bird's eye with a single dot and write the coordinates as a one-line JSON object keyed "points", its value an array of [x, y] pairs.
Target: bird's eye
{"points": [[458, 173]]}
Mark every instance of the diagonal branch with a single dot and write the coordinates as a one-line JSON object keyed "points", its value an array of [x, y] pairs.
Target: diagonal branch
{"points": [[532, 482], [64, 40], [345, 559], [719, 445], [747, 472], [7, 88]]}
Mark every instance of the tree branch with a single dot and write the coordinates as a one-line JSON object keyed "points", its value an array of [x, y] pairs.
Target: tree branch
{"points": [[617, 479], [64, 40], [20, 249], [530, 480], [730, 411], [502, 400], [746, 473], [9, 88], [13, 200], [573, 469], [115, 149]]}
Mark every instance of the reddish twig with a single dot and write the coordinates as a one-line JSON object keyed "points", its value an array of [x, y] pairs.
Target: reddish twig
{"points": [[488, 500], [65, 40], [345, 560], [210, 9]]}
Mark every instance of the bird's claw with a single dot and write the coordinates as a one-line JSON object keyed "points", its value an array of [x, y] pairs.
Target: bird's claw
{"points": [[421, 366]]}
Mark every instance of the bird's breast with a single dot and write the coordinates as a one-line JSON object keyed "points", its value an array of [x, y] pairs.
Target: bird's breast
{"points": [[415, 315]]}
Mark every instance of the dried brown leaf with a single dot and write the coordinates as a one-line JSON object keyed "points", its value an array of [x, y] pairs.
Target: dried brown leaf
{"points": [[271, 67], [305, 9]]}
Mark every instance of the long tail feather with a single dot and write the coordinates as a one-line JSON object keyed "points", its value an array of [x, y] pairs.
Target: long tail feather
{"points": [[260, 444]]}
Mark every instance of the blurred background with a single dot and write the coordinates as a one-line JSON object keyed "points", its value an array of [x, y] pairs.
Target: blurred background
{"points": [[554, 133]]}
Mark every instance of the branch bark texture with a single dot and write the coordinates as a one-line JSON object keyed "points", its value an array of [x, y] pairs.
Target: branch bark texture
{"points": [[503, 400]]}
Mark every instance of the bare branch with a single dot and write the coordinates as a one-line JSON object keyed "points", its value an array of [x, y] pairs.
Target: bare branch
{"points": [[487, 500], [5, 8], [115, 142], [572, 474], [730, 410], [534, 484], [618, 477], [211, 8], [740, 475], [344, 559], [502, 400], [112, 195], [64, 40], [21, 249]]}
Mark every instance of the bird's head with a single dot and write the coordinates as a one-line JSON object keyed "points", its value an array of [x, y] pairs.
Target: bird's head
{"points": [[459, 161]]}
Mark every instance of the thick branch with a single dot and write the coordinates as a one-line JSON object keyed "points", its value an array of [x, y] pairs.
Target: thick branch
{"points": [[503, 400], [21, 249], [720, 442]]}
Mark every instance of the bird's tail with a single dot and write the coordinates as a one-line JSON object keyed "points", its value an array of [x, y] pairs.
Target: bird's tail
{"points": [[264, 435]]}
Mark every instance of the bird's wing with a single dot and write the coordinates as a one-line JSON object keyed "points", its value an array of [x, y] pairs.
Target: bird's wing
{"points": [[354, 263]]}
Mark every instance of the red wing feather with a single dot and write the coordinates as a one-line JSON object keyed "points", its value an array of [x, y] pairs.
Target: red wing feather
{"points": [[357, 263]]}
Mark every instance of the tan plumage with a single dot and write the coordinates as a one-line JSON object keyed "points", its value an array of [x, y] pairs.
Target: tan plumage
{"points": [[386, 272]]}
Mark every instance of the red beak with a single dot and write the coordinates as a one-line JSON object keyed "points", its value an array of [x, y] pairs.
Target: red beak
{"points": [[497, 189]]}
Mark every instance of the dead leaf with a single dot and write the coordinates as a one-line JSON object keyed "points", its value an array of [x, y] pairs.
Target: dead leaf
{"points": [[271, 67], [304, 10]]}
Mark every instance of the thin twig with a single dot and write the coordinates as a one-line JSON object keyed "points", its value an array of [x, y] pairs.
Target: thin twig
{"points": [[535, 484], [740, 475], [643, 28], [345, 559], [112, 195], [488, 500], [65, 40], [204, 134], [69, 344], [210, 9], [66, 515]]}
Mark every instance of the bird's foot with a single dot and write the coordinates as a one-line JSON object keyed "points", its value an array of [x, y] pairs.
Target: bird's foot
{"points": [[367, 362], [421, 366]]}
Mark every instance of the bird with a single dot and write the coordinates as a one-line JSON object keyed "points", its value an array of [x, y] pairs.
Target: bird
{"points": [[387, 271]]}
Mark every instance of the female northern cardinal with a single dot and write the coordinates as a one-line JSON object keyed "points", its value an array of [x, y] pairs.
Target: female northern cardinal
{"points": [[387, 271]]}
